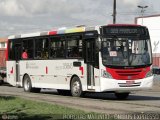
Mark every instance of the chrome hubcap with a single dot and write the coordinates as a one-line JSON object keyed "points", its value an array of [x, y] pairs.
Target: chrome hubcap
{"points": [[26, 84], [76, 87]]}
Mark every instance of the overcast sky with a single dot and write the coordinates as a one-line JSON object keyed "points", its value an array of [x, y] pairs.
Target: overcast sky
{"points": [[25, 16]]}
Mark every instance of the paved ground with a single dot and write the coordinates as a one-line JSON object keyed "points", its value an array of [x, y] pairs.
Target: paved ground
{"points": [[156, 84], [139, 102]]}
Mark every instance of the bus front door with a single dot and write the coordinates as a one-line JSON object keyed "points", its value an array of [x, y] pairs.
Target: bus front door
{"points": [[90, 60]]}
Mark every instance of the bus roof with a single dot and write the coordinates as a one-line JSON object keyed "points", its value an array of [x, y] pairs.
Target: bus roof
{"points": [[129, 25], [63, 30]]}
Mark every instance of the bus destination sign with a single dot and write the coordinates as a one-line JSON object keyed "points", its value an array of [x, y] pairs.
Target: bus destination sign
{"points": [[123, 30]]}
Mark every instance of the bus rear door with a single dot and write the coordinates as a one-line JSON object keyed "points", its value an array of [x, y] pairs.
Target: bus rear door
{"points": [[13, 76]]}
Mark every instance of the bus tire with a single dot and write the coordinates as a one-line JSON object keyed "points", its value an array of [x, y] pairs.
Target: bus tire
{"points": [[76, 87], [27, 85], [122, 96]]}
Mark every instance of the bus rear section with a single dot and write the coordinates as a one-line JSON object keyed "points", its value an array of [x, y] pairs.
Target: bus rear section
{"points": [[111, 58]]}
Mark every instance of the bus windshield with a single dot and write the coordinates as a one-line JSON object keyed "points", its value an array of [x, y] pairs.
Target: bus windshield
{"points": [[126, 52]]}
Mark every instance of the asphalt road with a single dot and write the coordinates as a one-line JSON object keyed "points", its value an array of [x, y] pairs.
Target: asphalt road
{"points": [[138, 102]]}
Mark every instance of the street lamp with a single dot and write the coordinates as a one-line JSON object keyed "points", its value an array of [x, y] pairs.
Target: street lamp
{"points": [[142, 11]]}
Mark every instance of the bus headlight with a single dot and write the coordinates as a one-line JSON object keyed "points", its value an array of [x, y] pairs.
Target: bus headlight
{"points": [[149, 74], [105, 74]]}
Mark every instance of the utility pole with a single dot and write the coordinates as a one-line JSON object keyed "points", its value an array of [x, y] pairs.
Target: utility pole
{"points": [[114, 12]]}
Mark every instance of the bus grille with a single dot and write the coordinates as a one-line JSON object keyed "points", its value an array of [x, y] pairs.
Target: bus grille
{"points": [[129, 85], [128, 72]]}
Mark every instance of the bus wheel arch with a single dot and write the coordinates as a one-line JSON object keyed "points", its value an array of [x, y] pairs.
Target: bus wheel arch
{"points": [[23, 78], [27, 85], [76, 87]]}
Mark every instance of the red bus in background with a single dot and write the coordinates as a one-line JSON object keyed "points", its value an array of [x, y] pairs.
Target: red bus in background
{"points": [[3, 46]]}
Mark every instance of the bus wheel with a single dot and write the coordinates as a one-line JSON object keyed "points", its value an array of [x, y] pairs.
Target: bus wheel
{"points": [[27, 84], [122, 96], [76, 87]]}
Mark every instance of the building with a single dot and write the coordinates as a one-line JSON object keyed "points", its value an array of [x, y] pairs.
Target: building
{"points": [[153, 24], [3, 46]]}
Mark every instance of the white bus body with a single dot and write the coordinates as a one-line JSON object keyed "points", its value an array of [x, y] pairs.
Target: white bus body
{"points": [[59, 73]]}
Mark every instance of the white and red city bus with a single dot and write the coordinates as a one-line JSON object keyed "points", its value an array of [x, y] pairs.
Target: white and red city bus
{"points": [[111, 58]]}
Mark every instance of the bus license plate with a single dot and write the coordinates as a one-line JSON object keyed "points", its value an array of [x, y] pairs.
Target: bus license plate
{"points": [[130, 82]]}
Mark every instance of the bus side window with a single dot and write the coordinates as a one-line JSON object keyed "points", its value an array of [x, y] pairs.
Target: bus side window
{"points": [[28, 44], [42, 46], [57, 47], [74, 47], [11, 51], [14, 49], [61, 49]]}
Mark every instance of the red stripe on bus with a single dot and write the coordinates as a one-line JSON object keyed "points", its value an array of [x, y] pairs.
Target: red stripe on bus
{"points": [[11, 71], [46, 70], [52, 32], [122, 25], [82, 70]]}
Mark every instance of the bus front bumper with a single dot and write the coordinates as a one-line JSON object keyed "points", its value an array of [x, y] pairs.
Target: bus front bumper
{"points": [[114, 85]]}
